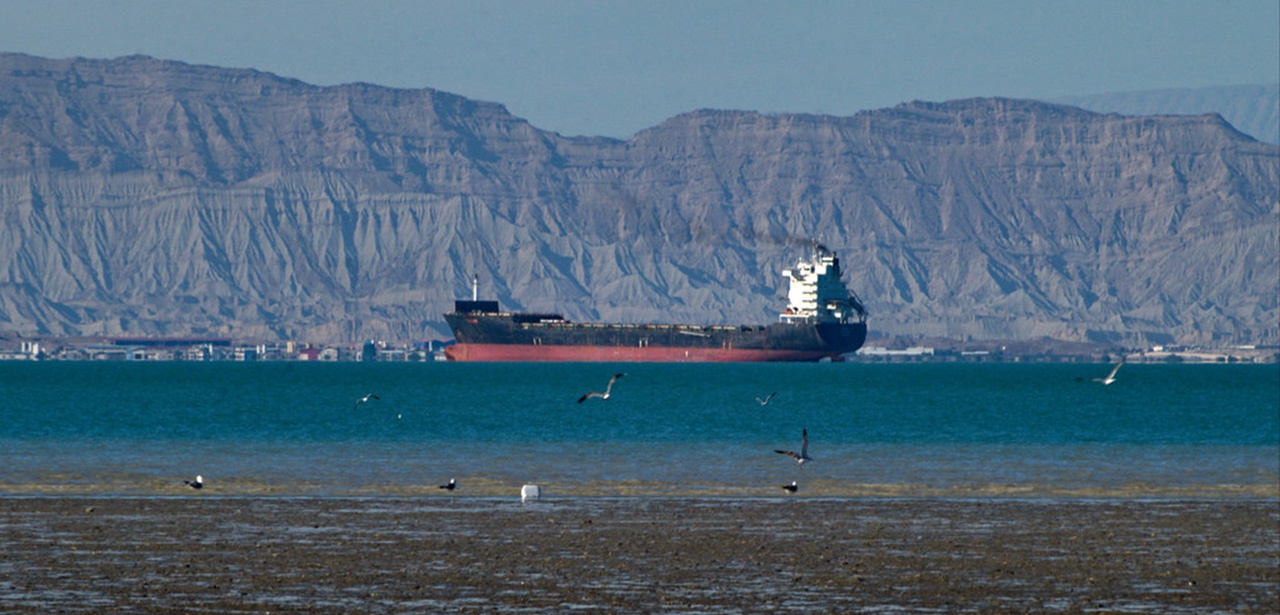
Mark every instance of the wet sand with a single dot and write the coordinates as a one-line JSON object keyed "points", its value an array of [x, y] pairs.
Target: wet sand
{"points": [[637, 555]]}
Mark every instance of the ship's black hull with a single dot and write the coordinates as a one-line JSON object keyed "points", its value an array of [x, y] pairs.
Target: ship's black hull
{"points": [[517, 337]]}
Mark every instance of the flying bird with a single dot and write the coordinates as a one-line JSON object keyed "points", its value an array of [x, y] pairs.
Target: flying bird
{"points": [[803, 455], [792, 488], [766, 400], [451, 485], [605, 394], [198, 483], [365, 399], [1112, 376]]}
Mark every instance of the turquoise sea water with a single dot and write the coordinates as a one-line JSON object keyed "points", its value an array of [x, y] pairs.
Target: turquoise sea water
{"points": [[954, 430]]}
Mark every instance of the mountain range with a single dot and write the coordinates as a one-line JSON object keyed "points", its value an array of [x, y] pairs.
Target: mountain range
{"points": [[145, 197], [1251, 109]]}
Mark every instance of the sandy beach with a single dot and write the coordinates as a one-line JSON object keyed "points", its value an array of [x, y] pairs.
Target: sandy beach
{"points": [[202, 554]]}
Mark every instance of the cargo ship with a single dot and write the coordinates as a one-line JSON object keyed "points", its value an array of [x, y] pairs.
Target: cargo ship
{"points": [[823, 320]]}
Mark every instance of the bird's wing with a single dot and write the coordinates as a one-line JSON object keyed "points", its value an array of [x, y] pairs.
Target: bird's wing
{"points": [[804, 444], [787, 453], [609, 388], [589, 396], [1115, 369]]}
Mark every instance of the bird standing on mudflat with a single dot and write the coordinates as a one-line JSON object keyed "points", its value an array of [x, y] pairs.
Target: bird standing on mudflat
{"points": [[198, 483], [451, 485]]}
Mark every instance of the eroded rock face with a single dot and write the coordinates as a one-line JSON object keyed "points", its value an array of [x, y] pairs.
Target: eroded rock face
{"points": [[1251, 109], [147, 197]]}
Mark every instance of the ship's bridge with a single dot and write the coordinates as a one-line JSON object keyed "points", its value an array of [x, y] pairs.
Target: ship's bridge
{"points": [[817, 294]]}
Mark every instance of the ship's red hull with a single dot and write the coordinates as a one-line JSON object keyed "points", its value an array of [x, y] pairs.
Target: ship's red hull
{"points": [[624, 354]]}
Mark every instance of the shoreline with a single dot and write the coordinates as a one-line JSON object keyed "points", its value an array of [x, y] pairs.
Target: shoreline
{"points": [[394, 554], [491, 489], [433, 494]]}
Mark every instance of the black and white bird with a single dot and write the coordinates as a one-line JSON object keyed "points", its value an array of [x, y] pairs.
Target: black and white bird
{"points": [[605, 394], [766, 400], [803, 456], [365, 399], [792, 488], [1112, 376], [451, 485], [198, 483]]}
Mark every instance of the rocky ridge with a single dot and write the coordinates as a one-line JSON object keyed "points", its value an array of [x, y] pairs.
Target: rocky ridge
{"points": [[147, 197], [1251, 109]]}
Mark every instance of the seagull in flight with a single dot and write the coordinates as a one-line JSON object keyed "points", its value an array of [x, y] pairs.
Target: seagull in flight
{"points": [[792, 488], [451, 485], [198, 483], [803, 455], [605, 394], [365, 399], [764, 402], [1112, 376]]}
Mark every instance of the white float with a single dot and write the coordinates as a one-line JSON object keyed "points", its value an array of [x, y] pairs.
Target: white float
{"points": [[530, 492]]}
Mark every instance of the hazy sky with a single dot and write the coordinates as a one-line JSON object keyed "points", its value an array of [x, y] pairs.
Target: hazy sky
{"points": [[613, 68]]}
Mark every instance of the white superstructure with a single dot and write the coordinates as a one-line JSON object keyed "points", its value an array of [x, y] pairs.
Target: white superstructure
{"points": [[817, 294]]}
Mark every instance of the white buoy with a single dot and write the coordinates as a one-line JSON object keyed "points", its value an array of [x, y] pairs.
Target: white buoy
{"points": [[530, 492]]}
